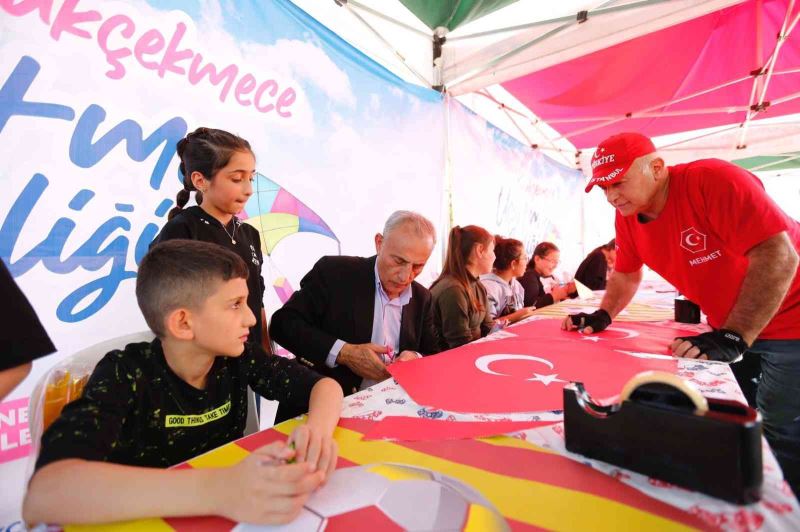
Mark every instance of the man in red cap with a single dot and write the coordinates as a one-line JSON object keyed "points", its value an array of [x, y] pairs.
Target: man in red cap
{"points": [[709, 228]]}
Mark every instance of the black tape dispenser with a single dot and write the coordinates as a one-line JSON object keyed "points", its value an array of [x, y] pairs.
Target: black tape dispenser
{"points": [[664, 428]]}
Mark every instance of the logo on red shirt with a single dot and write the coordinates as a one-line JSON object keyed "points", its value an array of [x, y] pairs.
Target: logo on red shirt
{"points": [[693, 240]]}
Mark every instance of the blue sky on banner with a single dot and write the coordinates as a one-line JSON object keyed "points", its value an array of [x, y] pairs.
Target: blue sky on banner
{"points": [[272, 21], [102, 82]]}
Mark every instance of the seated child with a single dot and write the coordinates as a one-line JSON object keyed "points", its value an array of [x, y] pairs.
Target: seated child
{"points": [[153, 405]]}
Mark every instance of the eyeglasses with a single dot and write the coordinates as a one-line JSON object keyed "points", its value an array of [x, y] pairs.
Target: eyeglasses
{"points": [[554, 262]]}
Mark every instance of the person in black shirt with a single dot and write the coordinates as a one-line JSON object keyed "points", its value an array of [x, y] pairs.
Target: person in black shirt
{"points": [[593, 271], [154, 405], [22, 337], [546, 257], [219, 167]]}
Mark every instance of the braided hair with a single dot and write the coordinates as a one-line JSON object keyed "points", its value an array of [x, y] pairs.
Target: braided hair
{"points": [[207, 151]]}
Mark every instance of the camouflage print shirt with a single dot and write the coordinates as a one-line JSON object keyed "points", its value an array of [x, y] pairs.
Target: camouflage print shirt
{"points": [[136, 411]]}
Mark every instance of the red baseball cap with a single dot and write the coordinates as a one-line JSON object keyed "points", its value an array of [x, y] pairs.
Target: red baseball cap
{"points": [[613, 157]]}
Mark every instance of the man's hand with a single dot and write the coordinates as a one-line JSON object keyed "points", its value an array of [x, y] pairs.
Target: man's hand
{"points": [[262, 489], [364, 360], [405, 356], [597, 321], [559, 293], [722, 345], [314, 445]]}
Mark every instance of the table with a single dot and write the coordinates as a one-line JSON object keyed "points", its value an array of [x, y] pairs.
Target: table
{"points": [[529, 476]]}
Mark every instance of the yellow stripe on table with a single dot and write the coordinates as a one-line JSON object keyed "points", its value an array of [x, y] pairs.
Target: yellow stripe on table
{"points": [[527, 501], [633, 312], [142, 525]]}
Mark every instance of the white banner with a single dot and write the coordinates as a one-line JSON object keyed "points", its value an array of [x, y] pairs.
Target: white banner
{"points": [[94, 96]]}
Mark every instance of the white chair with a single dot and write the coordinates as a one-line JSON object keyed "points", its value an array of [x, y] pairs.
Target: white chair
{"points": [[64, 382]]}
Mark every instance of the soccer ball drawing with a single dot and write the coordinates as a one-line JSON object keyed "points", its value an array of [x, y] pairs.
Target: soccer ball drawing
{"points": [[389, 496]]}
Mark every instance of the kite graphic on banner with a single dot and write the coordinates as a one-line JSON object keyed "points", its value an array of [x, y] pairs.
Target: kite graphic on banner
{"points": [[277, 213]]}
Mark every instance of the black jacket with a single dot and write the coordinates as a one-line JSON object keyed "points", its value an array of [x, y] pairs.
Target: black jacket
{"points": [[336, 301], [593, 270], [193, 223], [534, 290]]}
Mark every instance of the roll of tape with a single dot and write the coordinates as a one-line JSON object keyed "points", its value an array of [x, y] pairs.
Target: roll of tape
{"points": [[662, 377]]}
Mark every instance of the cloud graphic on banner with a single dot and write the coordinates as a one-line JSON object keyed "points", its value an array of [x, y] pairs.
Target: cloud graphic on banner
{"points": [[309, 63], [277, 213], [303, 60]]}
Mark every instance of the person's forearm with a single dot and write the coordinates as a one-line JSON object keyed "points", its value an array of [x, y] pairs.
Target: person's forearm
{"points": [[325, 404], [517, 315], [619, 292], [773, 265], [11, 377], [79, 491]]}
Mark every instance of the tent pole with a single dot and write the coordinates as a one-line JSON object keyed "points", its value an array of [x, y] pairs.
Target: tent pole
{"points": [[661, 114], [386, 43], [509, 111], [784, 99], [477, 71], [782, 72], [485, 93], [649, 109], [532, 144], [439, 38], [773, 163], [568, 18], [387, 18], [786, 29], [449, 210]]}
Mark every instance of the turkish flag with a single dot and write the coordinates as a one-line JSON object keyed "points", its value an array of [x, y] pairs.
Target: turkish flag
{"points": [[628, 336], [513, 375]]}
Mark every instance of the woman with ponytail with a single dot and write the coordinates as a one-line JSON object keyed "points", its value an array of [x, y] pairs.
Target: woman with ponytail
{"points": [[219, 167], [460, 305], [506, 295], [546, 257]]}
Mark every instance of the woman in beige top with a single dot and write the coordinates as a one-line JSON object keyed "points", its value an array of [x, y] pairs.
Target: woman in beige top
{"points": [[460, 305]]}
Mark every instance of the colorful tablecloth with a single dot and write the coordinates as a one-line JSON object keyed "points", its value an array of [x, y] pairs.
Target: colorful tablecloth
{"points": [[529, 476]]}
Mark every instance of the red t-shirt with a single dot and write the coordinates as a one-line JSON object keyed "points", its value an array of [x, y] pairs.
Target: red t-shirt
{"points": [[715, 213]]}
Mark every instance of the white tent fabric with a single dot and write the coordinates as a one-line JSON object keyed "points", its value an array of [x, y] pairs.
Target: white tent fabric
{"points": [[527, 36], [768, 136]]}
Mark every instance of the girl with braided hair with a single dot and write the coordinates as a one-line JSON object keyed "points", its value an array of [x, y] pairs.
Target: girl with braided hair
{"points": [[219, 167]]}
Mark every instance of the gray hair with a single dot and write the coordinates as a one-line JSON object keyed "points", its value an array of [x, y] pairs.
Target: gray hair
{"points": [[421, 225], [644, 163]]}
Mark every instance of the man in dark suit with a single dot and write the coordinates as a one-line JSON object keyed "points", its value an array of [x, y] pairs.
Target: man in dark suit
{"points": [[353, 316]]}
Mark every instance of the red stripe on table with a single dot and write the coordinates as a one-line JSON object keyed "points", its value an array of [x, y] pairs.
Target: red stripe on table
{"points": [[527, 464]]}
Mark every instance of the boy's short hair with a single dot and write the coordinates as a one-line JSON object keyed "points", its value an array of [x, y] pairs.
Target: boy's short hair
{"points": [[182, 274]]}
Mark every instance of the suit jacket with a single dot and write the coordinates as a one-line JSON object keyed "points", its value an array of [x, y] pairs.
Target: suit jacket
{"points": [[336, 301]]}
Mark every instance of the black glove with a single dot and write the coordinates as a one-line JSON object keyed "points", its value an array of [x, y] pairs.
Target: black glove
{"points": [[598, 320], [722, 345]]}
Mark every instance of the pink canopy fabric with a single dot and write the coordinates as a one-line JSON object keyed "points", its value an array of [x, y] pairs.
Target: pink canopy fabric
{"points": [[588, 98]]}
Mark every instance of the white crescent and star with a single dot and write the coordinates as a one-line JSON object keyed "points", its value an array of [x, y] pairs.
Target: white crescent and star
{"points": [[630, 333], [483, 363], [691, 240], [546, 379]]}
